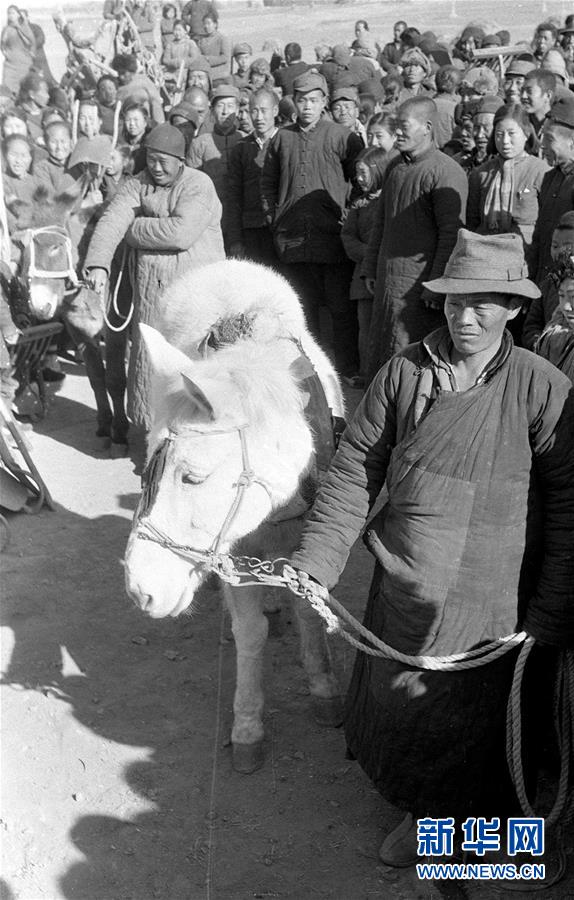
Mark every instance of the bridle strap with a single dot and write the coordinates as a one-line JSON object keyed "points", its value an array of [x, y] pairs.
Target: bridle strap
{"points": [[33, 272], [149, 532]]}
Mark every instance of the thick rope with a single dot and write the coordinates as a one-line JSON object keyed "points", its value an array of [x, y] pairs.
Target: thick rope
{"points": [[563, 807]]}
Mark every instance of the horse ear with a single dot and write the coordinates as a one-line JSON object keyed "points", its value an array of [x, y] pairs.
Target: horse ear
{"points": [[166, 360], [204, 408]]}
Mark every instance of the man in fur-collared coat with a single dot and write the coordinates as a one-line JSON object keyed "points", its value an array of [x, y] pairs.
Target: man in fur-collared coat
{"points": [[169, 216]]}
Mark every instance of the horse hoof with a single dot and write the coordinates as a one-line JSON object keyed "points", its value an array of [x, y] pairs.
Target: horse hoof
{"points": [[328, 711], [118, 451], [247, 758]]}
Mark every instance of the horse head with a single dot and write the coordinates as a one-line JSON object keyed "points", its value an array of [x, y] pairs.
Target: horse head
{"points": [[230, 446], [47, 258]]}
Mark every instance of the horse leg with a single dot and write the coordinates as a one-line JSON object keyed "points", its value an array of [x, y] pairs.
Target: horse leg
{"points": [[249, 627], [97, 378], [116, 382], [323, 686]]}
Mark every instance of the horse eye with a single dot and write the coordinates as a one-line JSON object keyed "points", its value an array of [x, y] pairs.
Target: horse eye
{"points": [[190, 478]]}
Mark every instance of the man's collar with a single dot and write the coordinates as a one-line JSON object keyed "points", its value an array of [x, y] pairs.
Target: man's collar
{"points": [[263, 141]]}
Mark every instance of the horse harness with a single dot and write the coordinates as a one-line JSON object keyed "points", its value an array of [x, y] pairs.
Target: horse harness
{"points": [[223, 564]]}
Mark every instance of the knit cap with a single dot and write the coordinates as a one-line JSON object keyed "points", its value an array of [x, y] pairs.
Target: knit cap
{"points": [[166, 139]]}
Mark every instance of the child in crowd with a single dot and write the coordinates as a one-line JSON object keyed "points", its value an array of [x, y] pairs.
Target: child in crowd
{"points": [[89, 120], [19, 184], [52, 172], [381, 131], [135, 128], [369, 171], [541, 310]]}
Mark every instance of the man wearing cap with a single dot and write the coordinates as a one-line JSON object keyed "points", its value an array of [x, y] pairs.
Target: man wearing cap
{"points": [[421, 207], [514, 77], [473, 439], [294, 67], [169, 217], [345, 110], [304, 187], [242, 54], [557, 190], [210, 151], [249, 234]]}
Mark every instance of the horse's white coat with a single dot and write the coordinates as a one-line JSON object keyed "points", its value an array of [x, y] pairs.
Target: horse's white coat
{"points": [[201, 404]]}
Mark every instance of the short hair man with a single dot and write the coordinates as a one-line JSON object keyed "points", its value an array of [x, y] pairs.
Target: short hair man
{"points": [[294, 67], [136, 86], [304, 186], [545, 37], [421, 208], [557, 190], [391, 53], [249, 234], [472, 439], [536, 96]]}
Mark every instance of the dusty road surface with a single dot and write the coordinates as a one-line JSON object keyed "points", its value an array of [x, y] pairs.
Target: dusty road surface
{"points": [[116, 768]]}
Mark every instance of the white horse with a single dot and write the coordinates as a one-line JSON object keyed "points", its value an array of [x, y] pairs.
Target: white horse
{"points": [[242, 399]]}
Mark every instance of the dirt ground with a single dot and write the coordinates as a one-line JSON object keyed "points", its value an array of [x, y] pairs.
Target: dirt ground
{"points": [[116, 778]]}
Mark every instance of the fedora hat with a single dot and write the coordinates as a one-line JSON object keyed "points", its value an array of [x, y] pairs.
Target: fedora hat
{"points": [[486, 263]]}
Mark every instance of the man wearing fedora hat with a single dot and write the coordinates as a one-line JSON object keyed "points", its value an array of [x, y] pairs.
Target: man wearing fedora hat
{"points": [[168, 215], [472, 438]]}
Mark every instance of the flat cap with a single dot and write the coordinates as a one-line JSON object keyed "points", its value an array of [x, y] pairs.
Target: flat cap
{"points": [[310, 81], [242, 48], [344, 92], [224, 90], [520, 67]]}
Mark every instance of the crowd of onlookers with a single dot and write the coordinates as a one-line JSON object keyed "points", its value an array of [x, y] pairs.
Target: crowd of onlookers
{"points": [[350, 173]]}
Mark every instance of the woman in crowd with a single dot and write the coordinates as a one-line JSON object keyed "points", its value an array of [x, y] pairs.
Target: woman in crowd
{"points": [[215, 46], [18, 48], [503, 192], [381, 131], [18, 182], [166, 26], [135, 128], [369, 170], [181, 49]]}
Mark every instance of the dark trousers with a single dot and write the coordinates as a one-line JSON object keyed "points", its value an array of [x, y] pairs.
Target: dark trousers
{"points": [[327, 284], [259, 247]]}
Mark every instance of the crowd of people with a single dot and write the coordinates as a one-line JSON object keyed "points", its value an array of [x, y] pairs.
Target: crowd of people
{"points": [[350, 173], [379, 179]]}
